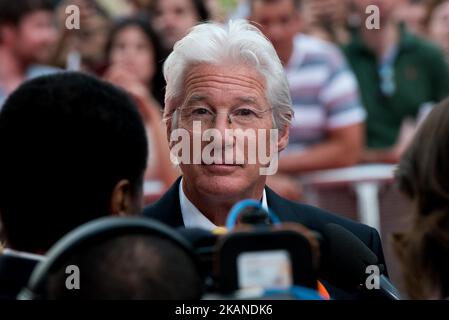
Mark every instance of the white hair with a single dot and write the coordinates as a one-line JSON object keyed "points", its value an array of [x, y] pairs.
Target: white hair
{"points": [[237, 42]]}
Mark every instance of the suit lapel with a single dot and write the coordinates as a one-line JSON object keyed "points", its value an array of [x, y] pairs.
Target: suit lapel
{"points": [[167, 209], [284, 209]]}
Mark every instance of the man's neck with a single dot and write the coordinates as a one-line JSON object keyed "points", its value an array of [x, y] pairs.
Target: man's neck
{"points": [[382, 40], [216, 208], [12, 71]]}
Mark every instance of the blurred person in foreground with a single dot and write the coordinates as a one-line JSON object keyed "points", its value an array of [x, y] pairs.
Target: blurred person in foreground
{"points": [[400, 75], [73, 149], [135, 64], [222, 78], [327, 131], [423, 176], [129, 267], [27, 35]]}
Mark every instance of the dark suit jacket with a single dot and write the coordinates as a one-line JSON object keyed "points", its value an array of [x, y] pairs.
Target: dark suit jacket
{"points": [[168, 211], [14, 275]]}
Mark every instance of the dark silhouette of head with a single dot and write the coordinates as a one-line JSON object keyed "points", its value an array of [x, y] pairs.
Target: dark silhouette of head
{"points": [[73, 148]]}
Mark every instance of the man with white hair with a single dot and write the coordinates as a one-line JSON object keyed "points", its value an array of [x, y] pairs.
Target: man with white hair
{"points": [[221, 78]]}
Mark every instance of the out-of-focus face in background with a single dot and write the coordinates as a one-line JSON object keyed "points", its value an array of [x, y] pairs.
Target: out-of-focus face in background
{"points": [[330, 11], [279, 20], [173, 20], [89, 41], [132, 50], [136, 6], [32, 39], [326, 19], [439, 25], [413, 14], [387, 8]]}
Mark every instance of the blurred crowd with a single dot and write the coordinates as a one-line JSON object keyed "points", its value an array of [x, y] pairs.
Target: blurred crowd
{"points": [[358, 93]]}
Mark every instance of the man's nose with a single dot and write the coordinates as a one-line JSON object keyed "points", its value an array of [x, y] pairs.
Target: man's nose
{"points": [[222, 122], [169, 20]]}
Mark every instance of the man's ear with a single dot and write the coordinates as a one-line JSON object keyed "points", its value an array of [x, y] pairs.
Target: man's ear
{"points": [[283, 139], [168, 128], [122, 199], [169, 119]]}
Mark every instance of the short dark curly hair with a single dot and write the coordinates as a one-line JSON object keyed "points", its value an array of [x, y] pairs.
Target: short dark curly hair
{"points": [[66, 140]]}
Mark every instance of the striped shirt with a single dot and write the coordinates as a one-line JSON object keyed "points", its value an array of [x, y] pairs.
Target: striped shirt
{"points": [[324, 92]]}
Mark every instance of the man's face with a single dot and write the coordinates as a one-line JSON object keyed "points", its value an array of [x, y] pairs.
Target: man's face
{"points": [[414, 16], [278, 20], [387, 8], [173, 20], [34, 37], [225, 90]]}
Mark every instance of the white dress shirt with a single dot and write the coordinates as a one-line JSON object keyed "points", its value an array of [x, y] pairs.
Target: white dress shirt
{"points": [[193, 218]]}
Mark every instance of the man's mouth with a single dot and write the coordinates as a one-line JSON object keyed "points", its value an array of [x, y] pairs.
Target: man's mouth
{"points": [[222, 168]]}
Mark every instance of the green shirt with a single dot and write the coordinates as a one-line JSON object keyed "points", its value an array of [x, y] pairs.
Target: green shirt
{"points": [[419, 75]]}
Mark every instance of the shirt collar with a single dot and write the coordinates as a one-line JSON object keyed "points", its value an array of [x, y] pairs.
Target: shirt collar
{"points": [[193, 218]]}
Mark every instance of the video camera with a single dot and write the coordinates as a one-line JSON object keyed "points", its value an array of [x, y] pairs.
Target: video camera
{"points": [[257, 256]]}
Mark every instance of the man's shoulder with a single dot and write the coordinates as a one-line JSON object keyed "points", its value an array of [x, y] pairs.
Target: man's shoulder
{"points": [[315, 48], [426, 51], [167, 209], [317, 56], [313, 44], [38, 70], [316, 218]]}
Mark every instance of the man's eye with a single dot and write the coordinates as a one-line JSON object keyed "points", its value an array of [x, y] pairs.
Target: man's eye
{"points": [[244, 113], [285, 20], [200, 112], [179, 11]]}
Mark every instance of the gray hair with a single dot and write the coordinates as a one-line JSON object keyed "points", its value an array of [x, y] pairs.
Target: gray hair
{"points": [[238, 42]]}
